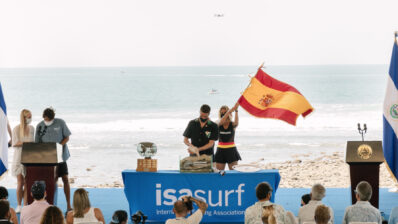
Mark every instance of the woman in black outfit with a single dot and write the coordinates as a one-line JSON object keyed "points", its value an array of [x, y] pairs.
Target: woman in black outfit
{"points": [[226, 149]]}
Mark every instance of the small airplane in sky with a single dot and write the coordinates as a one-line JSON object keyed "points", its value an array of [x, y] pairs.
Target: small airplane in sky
{"points": [[218, 15]]}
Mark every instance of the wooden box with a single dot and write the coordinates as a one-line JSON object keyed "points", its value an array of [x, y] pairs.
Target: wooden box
{"points": [[147, 165]]}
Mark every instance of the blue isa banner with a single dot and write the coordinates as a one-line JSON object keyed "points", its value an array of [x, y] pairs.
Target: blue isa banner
{"points": [[228, 196]]}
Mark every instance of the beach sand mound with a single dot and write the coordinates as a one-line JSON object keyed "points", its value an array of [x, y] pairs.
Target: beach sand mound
{"points": [[328, 170]]}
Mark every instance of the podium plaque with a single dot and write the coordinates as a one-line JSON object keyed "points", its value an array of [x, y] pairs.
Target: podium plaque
{"points": [[364, 158]]}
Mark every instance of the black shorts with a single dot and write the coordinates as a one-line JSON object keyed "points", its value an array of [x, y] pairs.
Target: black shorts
{"points": [[227, 155], [62, 169]]}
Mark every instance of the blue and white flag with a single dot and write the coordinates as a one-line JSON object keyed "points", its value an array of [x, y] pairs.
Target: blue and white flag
{"points": [[390, 112], [3, 135]]}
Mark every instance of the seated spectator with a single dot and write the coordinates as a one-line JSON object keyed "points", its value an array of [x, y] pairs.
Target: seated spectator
{"points": [[306, 213], [362, 210], [5, 214], [253, 214], [4, 196], [119, 217], [182, 207], [82, 211], [52, 215], [393, 216], [322, 214], [305, 199], [31, 214]]}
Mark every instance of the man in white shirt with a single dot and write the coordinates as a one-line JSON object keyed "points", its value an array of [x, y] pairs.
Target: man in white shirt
{"points": [[362, 211], [253, 214], [181, 209], [307, 212]]}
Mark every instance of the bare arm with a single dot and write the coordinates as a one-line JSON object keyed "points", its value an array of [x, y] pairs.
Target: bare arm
{"points": [[14, 218], [9, 132], [201, 204], [208, 145], [98, 214], [64, 141], [224, 118], [186, 141], [69, 218]]}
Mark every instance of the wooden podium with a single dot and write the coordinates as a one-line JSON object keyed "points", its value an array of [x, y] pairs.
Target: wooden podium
{"points": [[364, 158], [40, 160]]}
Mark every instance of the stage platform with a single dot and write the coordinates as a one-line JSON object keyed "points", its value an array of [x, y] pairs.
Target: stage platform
{"points": [[111, 199]]}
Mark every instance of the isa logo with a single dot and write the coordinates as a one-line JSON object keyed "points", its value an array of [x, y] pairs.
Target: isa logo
{"points": [[394, 111]]}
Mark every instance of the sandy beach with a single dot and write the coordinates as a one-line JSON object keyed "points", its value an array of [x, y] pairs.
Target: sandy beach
{"points": [[329, 170]]}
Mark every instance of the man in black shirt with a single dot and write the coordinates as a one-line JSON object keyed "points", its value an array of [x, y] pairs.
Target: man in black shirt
{"points": [[202, 132]]}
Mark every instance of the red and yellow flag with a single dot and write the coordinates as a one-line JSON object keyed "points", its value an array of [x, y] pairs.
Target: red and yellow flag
{"points": [[267, 97]]}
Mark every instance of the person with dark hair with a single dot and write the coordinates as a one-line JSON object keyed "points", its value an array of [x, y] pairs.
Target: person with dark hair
{"points": [[362, 210], [31, 214], [5, 214], [53, 129], [4, 197], [119, 217], [254, 213], [182, 207], [227, 153], [52, 215], [305, 199], [201, 133]]}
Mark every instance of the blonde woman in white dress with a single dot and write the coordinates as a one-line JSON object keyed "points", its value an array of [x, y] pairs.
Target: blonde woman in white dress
{"points": [[24, 132]]}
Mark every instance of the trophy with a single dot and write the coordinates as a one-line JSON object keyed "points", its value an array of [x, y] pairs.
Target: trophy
{"points": [[146, 150]]}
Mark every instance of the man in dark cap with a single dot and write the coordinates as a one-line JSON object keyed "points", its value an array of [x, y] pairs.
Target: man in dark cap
{"points": [[32, 213]]}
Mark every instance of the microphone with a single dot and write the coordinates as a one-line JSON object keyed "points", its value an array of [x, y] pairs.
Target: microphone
{"points": [[365, 128], [359, 127]]}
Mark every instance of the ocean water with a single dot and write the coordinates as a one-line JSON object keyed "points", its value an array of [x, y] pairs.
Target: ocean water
{"points": [[110, 110]]}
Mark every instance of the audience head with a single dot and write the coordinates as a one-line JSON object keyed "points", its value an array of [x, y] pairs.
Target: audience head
{"points": [[119, 217], [48, 114], [38, 190], [268, 216], [204, 112], [4, 209], [263, 191], [52, 215], [180, 208], [80, 202], [3, 193], [317, 192], [363, 191], [305, 199], [322, 214]]}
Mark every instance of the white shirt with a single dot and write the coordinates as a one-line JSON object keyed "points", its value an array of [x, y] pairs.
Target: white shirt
{"points": [[362, 211], [195, 218], [307, 212]]}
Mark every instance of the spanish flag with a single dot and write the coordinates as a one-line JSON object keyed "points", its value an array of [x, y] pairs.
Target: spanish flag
{"points": [[267, 97]]}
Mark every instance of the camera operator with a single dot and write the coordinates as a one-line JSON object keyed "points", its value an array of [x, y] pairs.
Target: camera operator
{"points": [[181, 209]]}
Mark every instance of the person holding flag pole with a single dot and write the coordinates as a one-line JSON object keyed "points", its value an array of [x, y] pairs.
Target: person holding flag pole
{"points": [[390, 116]]}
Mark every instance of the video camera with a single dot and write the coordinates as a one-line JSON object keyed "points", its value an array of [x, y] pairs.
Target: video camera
{"points": [[139, 217], [188, 203]]}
